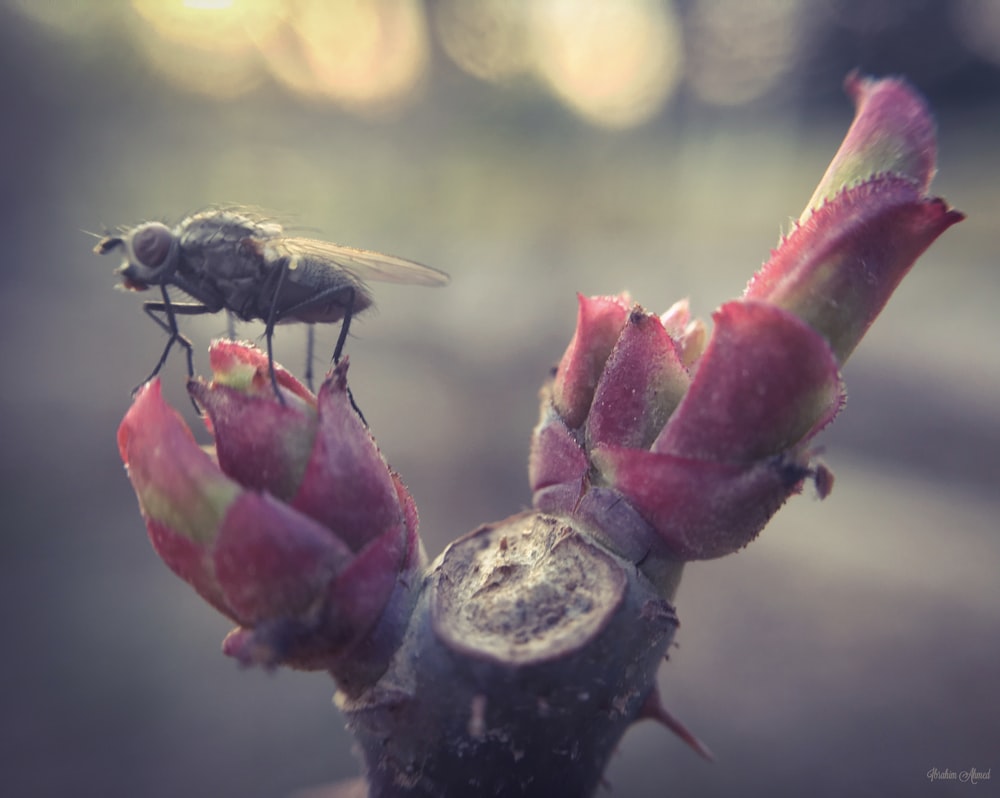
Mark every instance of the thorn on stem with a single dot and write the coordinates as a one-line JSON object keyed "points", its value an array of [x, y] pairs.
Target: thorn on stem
{"points": [[653, 709]]}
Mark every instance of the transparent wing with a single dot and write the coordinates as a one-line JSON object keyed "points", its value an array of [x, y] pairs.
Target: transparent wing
{"points": [[362, 263]]}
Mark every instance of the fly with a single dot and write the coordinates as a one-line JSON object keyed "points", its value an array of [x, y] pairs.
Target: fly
{"points": [[226, 260]]}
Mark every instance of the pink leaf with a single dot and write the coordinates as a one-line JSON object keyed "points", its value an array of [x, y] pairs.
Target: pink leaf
{"points": [[766, 382]]}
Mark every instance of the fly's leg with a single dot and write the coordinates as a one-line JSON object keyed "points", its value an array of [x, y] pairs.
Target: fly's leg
{"points": [[319, 299], [322, 298], [310, 347], [171, 310], [345, 325], [272, 318], [230, 326], [169, 325]]}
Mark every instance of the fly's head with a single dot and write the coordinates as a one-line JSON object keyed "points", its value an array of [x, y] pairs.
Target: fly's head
{"points": [[150, 255]]}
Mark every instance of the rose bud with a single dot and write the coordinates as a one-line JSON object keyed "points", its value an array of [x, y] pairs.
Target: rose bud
{"points": [[293, 525], [676, 449]]}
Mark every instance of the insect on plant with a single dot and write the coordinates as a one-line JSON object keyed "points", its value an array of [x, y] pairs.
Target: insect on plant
{"points": [[228, 260]]}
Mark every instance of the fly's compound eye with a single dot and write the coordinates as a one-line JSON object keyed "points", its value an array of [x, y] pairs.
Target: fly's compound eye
{"points": [[151, 244]]}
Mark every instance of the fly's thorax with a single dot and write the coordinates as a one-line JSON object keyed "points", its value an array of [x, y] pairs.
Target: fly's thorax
{"points": [[225, 244], [221, 225], [221, 249]]}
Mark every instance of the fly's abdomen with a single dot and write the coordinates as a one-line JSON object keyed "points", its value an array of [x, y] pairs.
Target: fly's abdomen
{"points": [[314, 291]]}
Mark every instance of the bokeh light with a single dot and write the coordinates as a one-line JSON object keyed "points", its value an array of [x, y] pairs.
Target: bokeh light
{"points": [[487, 39], [225, 27], [369, 54], [205, 46], [737, 51], [615, 64], [977, 22], [365, 54]]}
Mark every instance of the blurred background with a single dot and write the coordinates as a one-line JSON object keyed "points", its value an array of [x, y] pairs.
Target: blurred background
{"points": [[532, 150]]}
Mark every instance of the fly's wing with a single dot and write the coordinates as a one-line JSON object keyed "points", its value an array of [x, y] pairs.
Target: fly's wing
{"points": [[362, 264], [324, 280]]}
